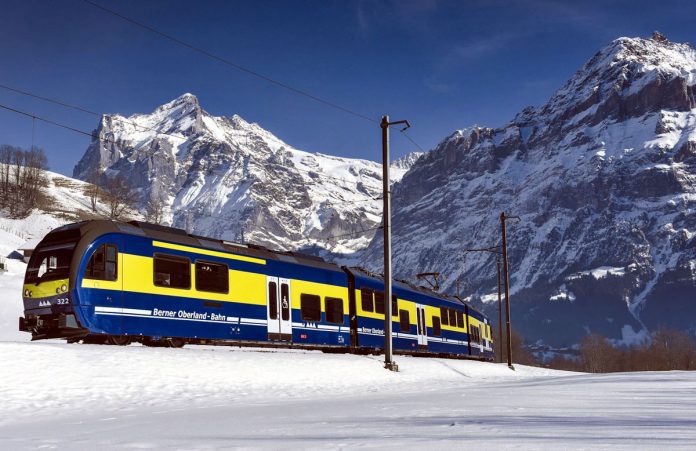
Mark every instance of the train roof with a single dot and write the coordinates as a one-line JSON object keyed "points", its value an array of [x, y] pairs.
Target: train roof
{"points": [[165, 233], [408, 286], [96, 227]]}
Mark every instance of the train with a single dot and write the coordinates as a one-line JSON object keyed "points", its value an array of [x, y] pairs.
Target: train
{"points": [[111, 282]]}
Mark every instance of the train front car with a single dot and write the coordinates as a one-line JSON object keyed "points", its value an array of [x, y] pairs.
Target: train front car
{"points": [[49, 287]]}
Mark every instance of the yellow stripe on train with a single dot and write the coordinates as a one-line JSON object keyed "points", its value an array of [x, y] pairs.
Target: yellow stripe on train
{"points": [[197, 250], [136, 276]]}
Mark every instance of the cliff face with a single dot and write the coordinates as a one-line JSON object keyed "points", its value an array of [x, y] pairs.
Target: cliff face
{"points": [[603, 177], [227, 178]]}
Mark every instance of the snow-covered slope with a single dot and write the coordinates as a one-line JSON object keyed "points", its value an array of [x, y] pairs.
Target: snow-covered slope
{"points": [[86, 396], [602, 176], [224, 177], [64, 201]]}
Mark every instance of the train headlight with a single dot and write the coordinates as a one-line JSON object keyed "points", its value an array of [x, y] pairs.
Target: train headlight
{"points": [[64, 288], [58, 290], [30, 293], [26, 293]]}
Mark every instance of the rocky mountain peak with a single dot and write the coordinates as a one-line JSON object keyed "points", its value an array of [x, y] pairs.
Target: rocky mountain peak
{"points": [[602, 177], [628, 78], [225, 177], [406, 161]]}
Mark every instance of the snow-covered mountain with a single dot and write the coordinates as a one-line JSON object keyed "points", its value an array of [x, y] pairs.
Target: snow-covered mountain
{"points": [[224, 177], [603, 177]]}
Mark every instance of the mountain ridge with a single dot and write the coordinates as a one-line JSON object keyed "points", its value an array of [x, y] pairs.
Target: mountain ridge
{"points": [[228, 178], [602, 175]]}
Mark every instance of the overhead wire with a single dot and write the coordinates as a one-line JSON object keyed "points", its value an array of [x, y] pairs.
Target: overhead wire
{"points": [[230, 63], [240, 67], [57, 124], [142, 127], [203, 52], [403, 132], [85, 110], [107, 140]]}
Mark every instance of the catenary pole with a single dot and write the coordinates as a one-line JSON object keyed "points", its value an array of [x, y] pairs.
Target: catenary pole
{"points": [[386, 224], [500, 314], [386, 215], [504, 217]]}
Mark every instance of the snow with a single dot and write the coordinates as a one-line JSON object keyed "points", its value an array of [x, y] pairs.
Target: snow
{"points": [[82, 397], [11, 307], [86, 396], [599, 273], [629, 337]]}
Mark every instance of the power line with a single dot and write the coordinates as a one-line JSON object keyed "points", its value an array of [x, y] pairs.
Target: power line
{"points": [[95, 113], [84, 110], [47, 99], [230, 63], [57, 124], [107, 140], [412, 141]]}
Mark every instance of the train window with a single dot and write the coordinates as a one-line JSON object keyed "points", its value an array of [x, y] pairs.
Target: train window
{"points": [[379, 302], [452, 317], [395, 306], [272, 300], [285, 302], [474, 335], [213, 277], [103, 264], [404, 321], [460, 319], [334, 310], [366, 300], [171, 271], [437, 329], [310, 307], [444, 315]]}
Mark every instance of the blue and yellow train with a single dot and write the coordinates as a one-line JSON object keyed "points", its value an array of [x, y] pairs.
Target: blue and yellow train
{"points": [[114, 282]]}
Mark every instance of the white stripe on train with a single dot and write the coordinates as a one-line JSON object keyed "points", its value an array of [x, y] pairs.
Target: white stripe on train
{"points": [[139, 313]]}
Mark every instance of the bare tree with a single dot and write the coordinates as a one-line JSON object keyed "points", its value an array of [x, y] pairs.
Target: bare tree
{"points": [[520, 354], [16, 206], [119, 195], [154, 211], [34, 178], [672, 350], [22, 178], [6, 152], [598, 355], [94, 191]]}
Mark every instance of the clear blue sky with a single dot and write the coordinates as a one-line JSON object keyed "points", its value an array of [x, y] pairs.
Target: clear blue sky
{"points": [[443, 65]]}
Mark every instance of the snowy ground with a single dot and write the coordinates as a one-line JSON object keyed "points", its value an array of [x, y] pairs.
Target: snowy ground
{"points": [[59, 396], [56, 395]]}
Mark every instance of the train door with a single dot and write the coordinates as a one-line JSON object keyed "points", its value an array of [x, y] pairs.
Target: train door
{"points": [[114, 263], [278, 309], [482, 339], [421, 326]]}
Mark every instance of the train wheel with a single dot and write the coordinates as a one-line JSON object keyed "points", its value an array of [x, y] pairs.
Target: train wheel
{"points": [[94, 340], [176, 342], [118, 340], [147, 341]]}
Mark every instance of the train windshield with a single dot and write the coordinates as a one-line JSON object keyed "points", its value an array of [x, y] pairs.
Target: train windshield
{"points": [[50, 262]]}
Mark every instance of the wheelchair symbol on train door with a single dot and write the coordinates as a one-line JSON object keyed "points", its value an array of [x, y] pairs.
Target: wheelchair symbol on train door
{"points": [[285, 302]]}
